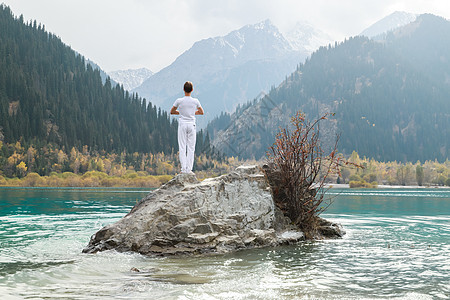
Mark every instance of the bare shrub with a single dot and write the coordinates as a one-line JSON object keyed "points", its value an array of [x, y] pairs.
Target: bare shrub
{"points": [[297, 172]]}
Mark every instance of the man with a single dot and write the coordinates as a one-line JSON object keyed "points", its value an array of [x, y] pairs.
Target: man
{"points": [[187, 107]]}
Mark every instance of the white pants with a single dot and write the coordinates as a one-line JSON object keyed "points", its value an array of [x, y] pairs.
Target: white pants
{"points": [[186, 143]]}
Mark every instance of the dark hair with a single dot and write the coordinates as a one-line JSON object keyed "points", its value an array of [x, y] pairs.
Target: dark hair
{"points": [[188, 87]]}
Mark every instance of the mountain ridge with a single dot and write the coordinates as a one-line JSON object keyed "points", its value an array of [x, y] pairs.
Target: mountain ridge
{"points": [[389, 23], [388, 105], [304, 36], [226, 70]]}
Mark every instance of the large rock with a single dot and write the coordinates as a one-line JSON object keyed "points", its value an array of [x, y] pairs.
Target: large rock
{"points": [[227, 213]]}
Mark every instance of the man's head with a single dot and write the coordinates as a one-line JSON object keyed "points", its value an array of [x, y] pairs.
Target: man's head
{"points": [[188, 87]]}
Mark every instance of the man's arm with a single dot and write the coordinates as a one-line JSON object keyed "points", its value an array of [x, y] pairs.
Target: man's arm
{"points": [[199, 111], [174, 111]]}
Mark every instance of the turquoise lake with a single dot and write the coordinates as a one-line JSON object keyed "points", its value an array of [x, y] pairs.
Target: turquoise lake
{"points": [[397, 246]]}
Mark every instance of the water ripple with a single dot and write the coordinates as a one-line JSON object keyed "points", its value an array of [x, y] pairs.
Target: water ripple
{"points": [[386, 254]]}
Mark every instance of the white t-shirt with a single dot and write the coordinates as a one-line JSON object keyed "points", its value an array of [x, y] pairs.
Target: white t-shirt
{"points": [[187, 106]]}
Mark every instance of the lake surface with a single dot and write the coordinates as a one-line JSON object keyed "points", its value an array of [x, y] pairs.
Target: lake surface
{"points": [[397, 247]]}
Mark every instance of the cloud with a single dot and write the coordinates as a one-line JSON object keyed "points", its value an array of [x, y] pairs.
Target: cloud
{"points": [[120, 34]]}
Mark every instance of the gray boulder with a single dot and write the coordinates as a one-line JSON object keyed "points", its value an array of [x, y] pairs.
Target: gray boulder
{"points": [[217, 215]]}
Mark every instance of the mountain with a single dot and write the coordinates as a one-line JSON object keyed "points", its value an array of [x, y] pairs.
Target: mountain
{"points": [[131, 78], [50, 95], [393, 21], [390, 98], [306, 38], [227, 70]]}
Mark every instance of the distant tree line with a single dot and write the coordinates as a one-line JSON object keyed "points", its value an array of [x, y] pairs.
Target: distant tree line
{"points": [[374, 173], [17, 161]]}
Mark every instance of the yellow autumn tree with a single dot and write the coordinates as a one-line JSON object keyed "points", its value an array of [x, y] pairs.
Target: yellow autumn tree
{"points": [[21, 169]]}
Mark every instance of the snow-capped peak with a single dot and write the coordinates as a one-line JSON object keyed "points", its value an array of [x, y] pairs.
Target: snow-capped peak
{"points": [[260, 41], [305, 37], [131, 78], [263, 25]]}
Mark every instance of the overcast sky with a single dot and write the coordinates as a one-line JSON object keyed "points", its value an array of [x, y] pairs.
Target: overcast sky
{"points": [[123, 34]]}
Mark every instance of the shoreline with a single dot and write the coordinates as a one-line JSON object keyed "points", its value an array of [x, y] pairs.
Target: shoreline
{"points": [[331, 186], [381, 186]]}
